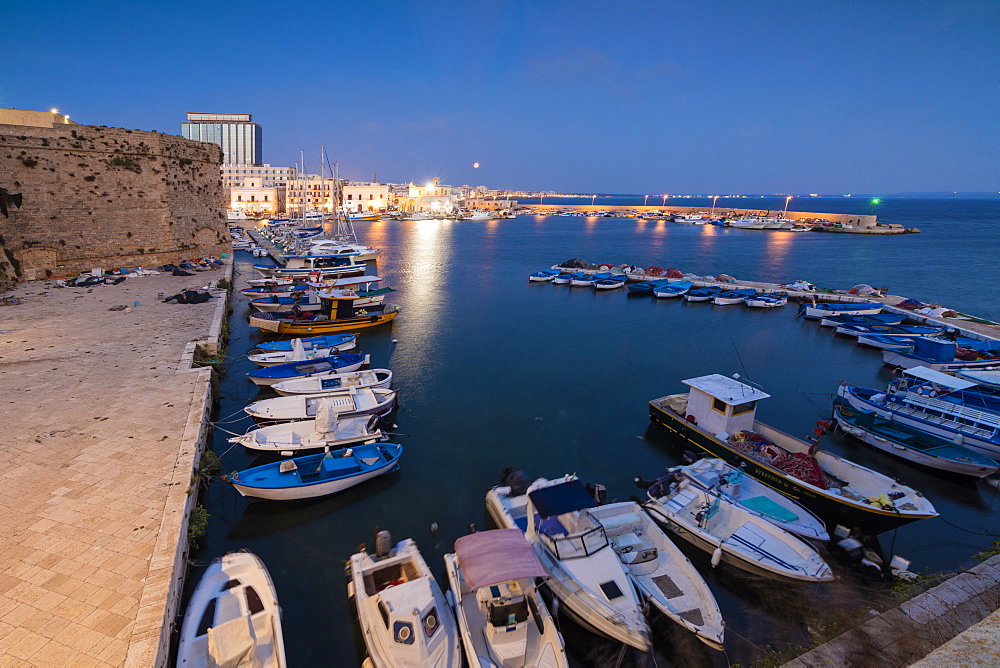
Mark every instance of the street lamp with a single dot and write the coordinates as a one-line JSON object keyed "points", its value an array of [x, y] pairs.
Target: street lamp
{"points": [[665, 199], [787, 200], [644, 200], [592, 198], [714, 199]]}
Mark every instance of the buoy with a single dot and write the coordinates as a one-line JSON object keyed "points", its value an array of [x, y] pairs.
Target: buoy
{"points": [[434, 527], [395, 340], [717, 556]]}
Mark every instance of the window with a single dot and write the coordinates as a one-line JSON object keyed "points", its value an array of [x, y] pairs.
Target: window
{"points": [[384, 613], [719, 405], [611, 590], [748, 407], [254, 604]]}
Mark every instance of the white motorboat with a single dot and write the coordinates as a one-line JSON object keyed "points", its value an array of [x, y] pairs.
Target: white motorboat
{"points": [[732, 534], [716, 475], [405, 619], [334, 246], [660, 571], [348, 402], [233, 617], [502, 619], [289, 438], [591, 582], [335, 382]]}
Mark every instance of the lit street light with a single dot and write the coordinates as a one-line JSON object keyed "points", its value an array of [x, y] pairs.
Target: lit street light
{"points": [[644, 200], [592, 198], [714, 199], [665, 199], [787, 200]]}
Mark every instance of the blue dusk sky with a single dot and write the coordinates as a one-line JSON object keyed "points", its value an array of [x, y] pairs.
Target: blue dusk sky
{"points": [[710, 96]]}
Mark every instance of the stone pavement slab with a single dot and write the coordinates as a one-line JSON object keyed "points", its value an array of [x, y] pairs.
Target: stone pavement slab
{"points": [[102, 422]]}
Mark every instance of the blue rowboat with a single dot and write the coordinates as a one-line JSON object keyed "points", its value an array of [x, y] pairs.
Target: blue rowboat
{"points": [[588, 280], [647, 287], [852, 319], [611, 283], [567, 278], [322, 365], [823, 309], [702, 294], [312, 476], [675, 289], [338, 341], [733, 296], [544, 275]]}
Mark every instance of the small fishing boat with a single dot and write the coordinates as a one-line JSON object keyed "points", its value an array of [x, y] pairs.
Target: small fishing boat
{"points": [[887, 342], [568, 278], [911, 444], [591, 582], [675, 289], [405, 620], [612, 283], [321, 266], [852, 319], [341, 363], [718, 477], [290, 438], [348, 402], [931, 401], [660, 571], [313, 476], [823, 309], [732, 534], [340, 311], [718, 416], [647, 287], [733, 296], [502, 618], [341, 342], [233, 617], [544, 276], [702, 294], [334, 382], [587, 280], [292, 303], [856, 330], [943, 355], [986, 380], [767, 300]]}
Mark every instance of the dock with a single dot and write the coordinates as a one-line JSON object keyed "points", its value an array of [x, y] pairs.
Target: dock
{"points": [[105, 417]]}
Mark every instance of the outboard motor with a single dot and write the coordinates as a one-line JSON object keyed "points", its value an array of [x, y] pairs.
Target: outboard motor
{"points": [[383, 544], [599, 492], [516, 480]]}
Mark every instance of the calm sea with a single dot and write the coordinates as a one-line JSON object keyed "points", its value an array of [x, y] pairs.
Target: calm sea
{"points": [[494, 371]]}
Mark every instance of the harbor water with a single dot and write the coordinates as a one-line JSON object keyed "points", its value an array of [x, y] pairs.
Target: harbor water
{"points": [[496, 372]]}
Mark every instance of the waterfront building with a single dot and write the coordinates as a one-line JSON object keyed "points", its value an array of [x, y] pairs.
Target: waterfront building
{"points": [[255, 198], [433, 197], [234, 175], [366, 196], [237, 134], [35, 119]]}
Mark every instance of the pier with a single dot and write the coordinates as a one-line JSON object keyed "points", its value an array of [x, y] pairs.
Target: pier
{"points": [[105, 418]]}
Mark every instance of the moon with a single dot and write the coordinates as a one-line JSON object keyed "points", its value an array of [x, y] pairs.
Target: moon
{"points": [[475, 165]]}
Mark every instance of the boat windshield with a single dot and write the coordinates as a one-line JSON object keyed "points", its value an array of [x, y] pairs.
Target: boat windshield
{"points": [[575, 546]]}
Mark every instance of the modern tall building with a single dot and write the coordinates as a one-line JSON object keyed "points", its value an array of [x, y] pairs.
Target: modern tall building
{"points": [[237, 134]]}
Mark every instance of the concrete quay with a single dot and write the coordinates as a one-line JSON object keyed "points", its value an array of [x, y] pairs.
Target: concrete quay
{"points": [[105, 422], [953, 624]]}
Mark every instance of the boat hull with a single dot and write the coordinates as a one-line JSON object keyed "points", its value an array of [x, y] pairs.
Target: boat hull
{"points": [[832, 509], [327, 327]]}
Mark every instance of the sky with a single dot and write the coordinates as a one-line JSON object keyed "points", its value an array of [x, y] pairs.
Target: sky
{"points": [[709, 96]]}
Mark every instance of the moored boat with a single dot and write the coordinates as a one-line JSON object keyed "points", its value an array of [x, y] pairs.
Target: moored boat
{"points": [[660, 571], [348, 402], [298, 352], [591, 582], [674, 289], [290, 438], [342, 363], [587, 280], [647, 287], [910, 443], [233, 613], [501, 617], [340, 310], [544, 276], [611, 283], [716, 476], [852, 319], [340, 341], [405, 619], [767, 300], [823, 309], [334, 382], [562, 279], [718, 416], [313, 476], [705, 294], [943, 355], [728, 297], [732, 534]]}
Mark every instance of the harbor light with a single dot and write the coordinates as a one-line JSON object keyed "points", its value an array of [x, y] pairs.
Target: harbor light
{"points": [[787, 200], [54, 110]]}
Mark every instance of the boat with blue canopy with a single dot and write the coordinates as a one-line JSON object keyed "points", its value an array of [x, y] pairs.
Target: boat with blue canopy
{"points": [[338, 341], [767, 300], [312, 476], [562, 279], [612, 283], [823, 309], [544, 276], [852, 319], [647, 287], [702, 294], [588, 280], [674, 289], [733, 296]]}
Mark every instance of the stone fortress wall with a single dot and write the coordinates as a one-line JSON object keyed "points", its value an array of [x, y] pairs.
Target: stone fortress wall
{"points": [[95, 196]]}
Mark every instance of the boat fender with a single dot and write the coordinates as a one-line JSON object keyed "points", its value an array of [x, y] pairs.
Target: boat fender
{"points": [[692, 419], [717, 556]]}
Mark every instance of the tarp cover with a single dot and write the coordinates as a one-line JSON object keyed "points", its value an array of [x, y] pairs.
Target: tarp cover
{"points": [[489, 557], [231, 644], [562, 498], [923, 373]]}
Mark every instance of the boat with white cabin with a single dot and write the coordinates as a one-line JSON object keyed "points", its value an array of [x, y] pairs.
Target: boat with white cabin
{"points": [[334, 382], [348, 402]]}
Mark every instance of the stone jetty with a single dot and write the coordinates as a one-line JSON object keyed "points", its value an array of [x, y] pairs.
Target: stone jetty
{"points": [[104, 418]]}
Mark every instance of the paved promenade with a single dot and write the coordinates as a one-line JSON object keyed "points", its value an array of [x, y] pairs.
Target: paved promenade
{"points": [[101, 416]]}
